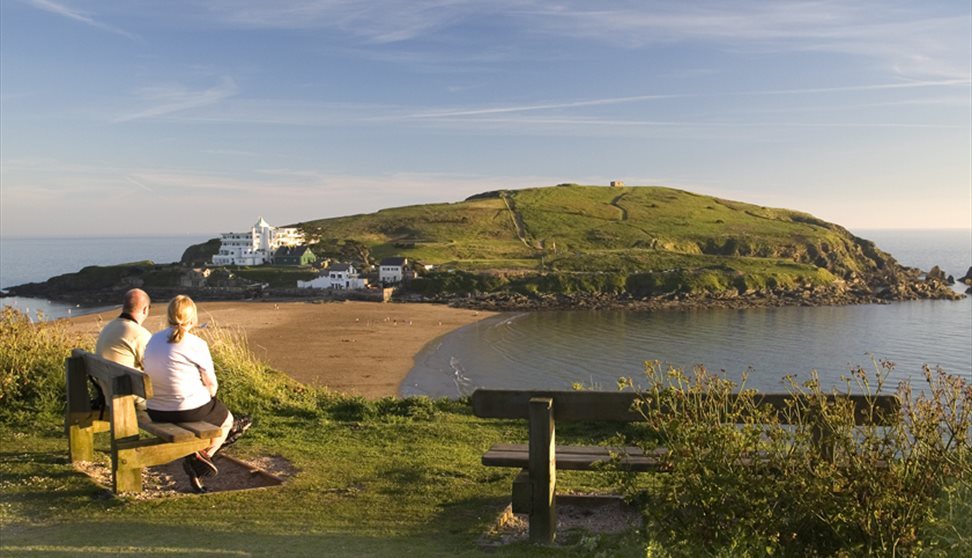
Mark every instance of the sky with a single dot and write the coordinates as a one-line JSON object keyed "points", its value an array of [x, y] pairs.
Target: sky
{"points": [[135, 117]]}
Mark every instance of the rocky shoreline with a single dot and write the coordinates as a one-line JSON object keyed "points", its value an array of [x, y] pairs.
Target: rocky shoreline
{"points": [[905, 284], [509, 302]]}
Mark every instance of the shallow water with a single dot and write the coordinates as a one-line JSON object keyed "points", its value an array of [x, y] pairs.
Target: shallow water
{"points": [[553, 350]]}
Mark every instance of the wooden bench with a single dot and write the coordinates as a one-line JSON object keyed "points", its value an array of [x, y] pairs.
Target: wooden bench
{"points": [[130, 452], [534, 488]]}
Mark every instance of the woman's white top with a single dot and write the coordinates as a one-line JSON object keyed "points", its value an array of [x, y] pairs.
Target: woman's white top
{"points": [[176, 371]]}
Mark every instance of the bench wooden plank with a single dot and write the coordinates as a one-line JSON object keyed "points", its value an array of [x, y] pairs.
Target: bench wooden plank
{"points": [[108, 373], [619, 406], [578, 458], [202, 429], [568, 405], [166, 431]]}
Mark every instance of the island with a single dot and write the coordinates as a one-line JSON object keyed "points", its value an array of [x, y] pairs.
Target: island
{"points": [[564, 246]]}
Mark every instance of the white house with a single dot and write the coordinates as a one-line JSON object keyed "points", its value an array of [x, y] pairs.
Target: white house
{"points": [[392, 270], [338, 277], [256, 246]]}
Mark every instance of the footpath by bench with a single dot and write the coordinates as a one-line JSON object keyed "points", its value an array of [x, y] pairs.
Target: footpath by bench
{"points": [[130, 451], [534, 489]]}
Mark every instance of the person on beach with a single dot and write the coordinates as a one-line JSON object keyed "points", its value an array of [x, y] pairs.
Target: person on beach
{"points": [[185, 385], [123, 339]]}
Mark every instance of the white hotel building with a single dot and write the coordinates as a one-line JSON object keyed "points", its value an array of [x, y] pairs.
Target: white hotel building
{"points": [[257, 246]]}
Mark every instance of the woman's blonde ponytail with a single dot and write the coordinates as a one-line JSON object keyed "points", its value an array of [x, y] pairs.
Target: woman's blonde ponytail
{"points": [[182, 316]]}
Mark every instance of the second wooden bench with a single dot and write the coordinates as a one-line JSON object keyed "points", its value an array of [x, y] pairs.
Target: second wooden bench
{"points": [[534, 488]]}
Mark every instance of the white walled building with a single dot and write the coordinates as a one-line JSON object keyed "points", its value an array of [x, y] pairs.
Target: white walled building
{"points": [[392, 270], [257, 246], [338, 277]]}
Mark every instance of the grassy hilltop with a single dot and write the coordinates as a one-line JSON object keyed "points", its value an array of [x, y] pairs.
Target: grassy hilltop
{"points": [[648, 240], [587, 227]]}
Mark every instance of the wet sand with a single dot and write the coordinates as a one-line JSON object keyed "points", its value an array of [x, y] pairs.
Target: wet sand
{"points": [[363, 348]]}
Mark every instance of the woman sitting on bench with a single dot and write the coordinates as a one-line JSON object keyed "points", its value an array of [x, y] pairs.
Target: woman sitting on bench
{"points": [[184, 384]]}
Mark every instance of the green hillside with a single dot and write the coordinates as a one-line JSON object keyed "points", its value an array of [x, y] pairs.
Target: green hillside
{"points": [[595, 229]]}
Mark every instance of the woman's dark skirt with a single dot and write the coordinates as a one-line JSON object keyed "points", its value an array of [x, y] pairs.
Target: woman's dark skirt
{"points": [[213, 412]]}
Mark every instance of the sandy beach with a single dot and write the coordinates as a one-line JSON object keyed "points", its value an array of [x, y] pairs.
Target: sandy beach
{"points": [[363, 348]]}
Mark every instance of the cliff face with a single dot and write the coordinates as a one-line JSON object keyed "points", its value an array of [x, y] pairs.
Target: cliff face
{"points": [[200, 254]]}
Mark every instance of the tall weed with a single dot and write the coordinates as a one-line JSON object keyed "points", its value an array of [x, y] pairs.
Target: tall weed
{"points": [[743, 482], [32, 366]]}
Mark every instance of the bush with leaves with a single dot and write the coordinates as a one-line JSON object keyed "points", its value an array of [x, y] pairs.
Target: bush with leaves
{"points": [[31, 366], [743, 482]]}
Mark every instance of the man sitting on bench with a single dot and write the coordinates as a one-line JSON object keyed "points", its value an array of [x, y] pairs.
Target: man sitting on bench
{"points": [[123, 339]]}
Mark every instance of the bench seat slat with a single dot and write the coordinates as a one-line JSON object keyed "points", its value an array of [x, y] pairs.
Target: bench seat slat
{"points": [[202, 429], [177, 432], [165, 430], [576, 458]]}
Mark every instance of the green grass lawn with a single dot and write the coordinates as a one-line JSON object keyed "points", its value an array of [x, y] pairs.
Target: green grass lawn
{"points": [[381, 487]]}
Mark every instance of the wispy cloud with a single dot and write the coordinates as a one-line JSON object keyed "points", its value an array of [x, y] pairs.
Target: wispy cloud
{"points": [[139, 184], [902, 39], [172, 99], [377, 22], [546, 106], [77, 15], [866, 87], [907, 39]]}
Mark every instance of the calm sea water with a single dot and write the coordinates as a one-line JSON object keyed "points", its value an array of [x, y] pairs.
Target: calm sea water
{"points": [[31, 260], [552, 350]]}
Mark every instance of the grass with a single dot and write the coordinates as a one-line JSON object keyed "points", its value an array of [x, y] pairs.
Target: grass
{"points": [[374, 487], [385, 478]]}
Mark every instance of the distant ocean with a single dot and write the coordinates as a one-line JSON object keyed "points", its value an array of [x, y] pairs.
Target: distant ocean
{"points": [[32, 260]]}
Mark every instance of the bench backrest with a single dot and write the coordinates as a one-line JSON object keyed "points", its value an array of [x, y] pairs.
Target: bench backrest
{"points": [[116, 380], [619, 406]]}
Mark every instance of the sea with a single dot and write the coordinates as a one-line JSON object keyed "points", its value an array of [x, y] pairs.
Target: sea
{"points": [[33, 260], [594, 348], [557, 349]]}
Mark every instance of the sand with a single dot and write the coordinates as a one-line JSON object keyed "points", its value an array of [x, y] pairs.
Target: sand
{"points": [[362, 348]]}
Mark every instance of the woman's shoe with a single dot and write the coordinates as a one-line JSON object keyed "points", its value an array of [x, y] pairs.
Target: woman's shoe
{"points": [[202, 464], [240, 425], [194, 481]]}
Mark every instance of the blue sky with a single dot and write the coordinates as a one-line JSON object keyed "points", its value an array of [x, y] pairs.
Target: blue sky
{"points": [[172, 117]]}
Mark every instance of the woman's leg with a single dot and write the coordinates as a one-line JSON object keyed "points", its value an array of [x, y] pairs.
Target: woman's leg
{"points": [[224, 431]]}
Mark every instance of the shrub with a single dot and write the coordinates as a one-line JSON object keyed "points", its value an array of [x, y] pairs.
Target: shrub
{"points": [[741, 483], [31, 366]]}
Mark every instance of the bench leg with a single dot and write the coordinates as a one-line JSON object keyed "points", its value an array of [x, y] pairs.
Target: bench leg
{"points": [[124, 429], [80, 443], [81, 428], [522, 493], [543, 471], [77, 419], [125, 479]]}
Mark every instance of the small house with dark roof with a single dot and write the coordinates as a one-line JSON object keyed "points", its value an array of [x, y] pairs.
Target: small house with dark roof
{"points": [[294, 255], [392, 270]]}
